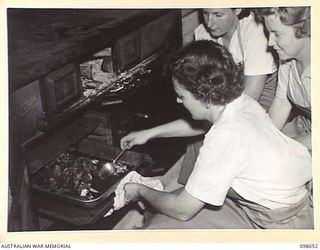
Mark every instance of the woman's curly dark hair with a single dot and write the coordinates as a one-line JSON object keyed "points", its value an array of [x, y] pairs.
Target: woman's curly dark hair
{"points": [[208, 71], [297, 17]]}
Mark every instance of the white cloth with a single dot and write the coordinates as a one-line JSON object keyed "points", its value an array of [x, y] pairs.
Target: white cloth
{"points": [[120, 199], [255, 58], [290, 83], [245, 151], [298, 89]]}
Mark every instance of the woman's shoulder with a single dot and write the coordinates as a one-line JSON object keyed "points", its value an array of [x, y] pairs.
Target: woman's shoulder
{"points": [[199, 28], [287, 65], [249, 26], [200, 33]]}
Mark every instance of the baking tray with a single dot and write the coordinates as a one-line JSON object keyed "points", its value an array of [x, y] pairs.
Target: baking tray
{"points": [[105, 187]]}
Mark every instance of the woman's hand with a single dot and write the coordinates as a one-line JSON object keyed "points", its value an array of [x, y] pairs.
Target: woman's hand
{"points": [[135, 138], [131, 191]]}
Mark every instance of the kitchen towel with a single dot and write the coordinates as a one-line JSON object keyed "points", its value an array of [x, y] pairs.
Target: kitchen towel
{"points": [[120, 200]]}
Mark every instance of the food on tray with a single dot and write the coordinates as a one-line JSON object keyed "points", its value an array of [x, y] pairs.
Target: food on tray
{"points": [[75, 175], [70, 174]]}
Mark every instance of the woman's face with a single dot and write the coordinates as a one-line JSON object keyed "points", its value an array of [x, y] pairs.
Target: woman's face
{"points": [[220, 22], [196, 108], [283, 39]]}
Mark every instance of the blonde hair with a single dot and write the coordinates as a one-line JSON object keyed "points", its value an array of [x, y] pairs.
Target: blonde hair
{"points": [[297, 17]]}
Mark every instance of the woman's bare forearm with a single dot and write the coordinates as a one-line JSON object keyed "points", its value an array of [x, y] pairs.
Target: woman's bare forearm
{"points": [[177, 128], [179, 205]]}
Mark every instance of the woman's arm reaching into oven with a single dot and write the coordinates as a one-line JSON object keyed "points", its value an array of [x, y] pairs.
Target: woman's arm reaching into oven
{"points": [[177, 128]]}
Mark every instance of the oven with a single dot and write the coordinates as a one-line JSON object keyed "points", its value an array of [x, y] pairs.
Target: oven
{"points": [[63, 170], [67, 122]]}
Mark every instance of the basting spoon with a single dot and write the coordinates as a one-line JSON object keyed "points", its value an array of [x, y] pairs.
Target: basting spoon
{"points": [[109, 168]]}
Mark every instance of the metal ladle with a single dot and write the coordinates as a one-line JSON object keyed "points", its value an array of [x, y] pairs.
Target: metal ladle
{"points": [[109, 168]]}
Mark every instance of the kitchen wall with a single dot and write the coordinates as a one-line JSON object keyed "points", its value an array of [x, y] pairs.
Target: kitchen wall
{"points": [[190, 20]]}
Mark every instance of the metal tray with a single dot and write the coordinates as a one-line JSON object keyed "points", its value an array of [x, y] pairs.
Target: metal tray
{"points": [[104, 187]]}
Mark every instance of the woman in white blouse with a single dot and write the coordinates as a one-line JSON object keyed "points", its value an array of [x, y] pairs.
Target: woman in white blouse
{"points": [[289, 35]]}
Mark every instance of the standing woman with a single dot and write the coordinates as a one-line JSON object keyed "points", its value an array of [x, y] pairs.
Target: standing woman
{"points": [[289, 35], [237, 30]]}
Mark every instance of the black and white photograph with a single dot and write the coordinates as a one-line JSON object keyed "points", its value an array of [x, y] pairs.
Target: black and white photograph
{"points": [[160, 119]]}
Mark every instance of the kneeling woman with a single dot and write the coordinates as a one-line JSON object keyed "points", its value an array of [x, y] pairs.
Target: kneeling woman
{"points": [[248, 174]]}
